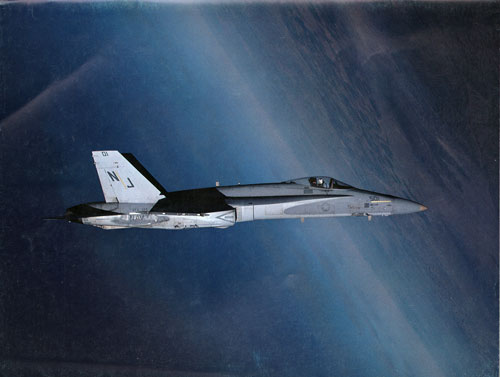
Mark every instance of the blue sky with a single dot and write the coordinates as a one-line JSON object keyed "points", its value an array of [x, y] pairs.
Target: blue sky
{"points": [[380, 97]]}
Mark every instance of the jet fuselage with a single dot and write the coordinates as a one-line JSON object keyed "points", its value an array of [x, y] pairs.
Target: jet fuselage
{"points": [[135, 199], [223, 206]]}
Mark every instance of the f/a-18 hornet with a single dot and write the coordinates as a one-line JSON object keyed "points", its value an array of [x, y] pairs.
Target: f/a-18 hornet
{"points": [[134, 199]]}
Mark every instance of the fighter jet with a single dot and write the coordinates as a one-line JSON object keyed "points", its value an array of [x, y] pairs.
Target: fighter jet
{"points": [[134, 199]]}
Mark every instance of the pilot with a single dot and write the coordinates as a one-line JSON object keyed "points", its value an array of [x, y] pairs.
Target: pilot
{"points": [[320, 182]]}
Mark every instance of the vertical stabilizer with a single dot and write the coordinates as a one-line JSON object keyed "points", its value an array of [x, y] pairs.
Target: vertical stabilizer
{"points": [[124, 180]]}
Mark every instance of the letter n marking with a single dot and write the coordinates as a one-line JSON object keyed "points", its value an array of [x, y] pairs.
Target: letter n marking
{"points": [[113, 176]]}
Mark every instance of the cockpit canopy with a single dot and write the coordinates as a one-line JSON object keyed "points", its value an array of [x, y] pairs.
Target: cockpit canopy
{"points": [[320, 182]]}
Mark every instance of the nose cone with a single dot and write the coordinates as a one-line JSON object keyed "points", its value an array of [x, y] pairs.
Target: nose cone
{"points": [[402, 206]]}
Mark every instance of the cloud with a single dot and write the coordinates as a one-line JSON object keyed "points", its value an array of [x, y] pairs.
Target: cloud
{"points": [[31, 111]]}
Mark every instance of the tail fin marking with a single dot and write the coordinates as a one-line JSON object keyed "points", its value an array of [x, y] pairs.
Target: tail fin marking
{"points": [[124, 180]]}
